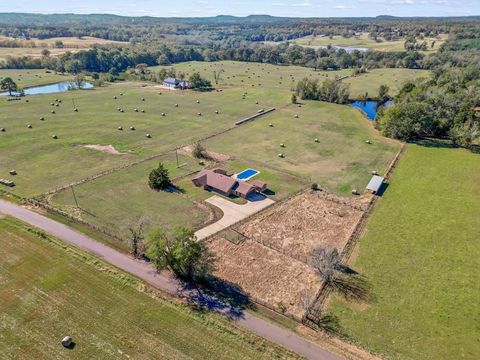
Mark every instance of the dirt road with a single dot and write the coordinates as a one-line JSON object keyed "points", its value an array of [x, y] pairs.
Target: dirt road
{"points": [[165, 281]]}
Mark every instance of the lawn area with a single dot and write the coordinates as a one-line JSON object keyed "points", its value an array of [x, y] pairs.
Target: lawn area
{"points": [[340, 161], [371, 81], [119, 200], [33, 77], [364, 41], [49, 290], [421, 254]]}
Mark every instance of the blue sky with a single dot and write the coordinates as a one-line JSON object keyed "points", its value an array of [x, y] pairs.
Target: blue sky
{"points": [[302, 8]]}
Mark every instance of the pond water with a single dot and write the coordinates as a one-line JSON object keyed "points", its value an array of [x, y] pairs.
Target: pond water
{"points": [[369, 107], [52, 88], [350, 49]]}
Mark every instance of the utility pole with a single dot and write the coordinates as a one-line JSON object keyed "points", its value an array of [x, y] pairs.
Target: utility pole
{"points": [[74, 196], [73, 101]]}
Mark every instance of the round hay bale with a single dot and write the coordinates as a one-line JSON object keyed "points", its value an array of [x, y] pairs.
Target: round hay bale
{"points": [[42, 118], [12, 172], [317, 141], [368, 142], [2, 129], [199, 114], [198, 101], [143, 99], [132, 127], [52, 104], [176, 105], [118, 109], [216, 111], [60, 101], [76, 110], [296, 116], [121, 110], [271, 125], [114, 98], [67, 341], [54, 137], [159, 93], [53, 111], [136, 110], [281, 155], [374, 172], [282, 145], [120, 128], [29, 126], [57, 105], [142, 111], [121, 94], [148, 135], [163, 114], [27, 100], [354, 191]]}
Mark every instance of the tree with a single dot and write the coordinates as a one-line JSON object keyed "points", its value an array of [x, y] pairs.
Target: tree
{"points": [[383, 92], [78, 81], [180, 252], [159, 178], [294, 99], [46, 52], [199, 83], [328, 265], [9, 85], [137, 245], [198, 151]]}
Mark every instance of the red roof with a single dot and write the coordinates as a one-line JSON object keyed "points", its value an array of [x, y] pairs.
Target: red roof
{"points": [[259, 184], [215, 180], [244, 188]]}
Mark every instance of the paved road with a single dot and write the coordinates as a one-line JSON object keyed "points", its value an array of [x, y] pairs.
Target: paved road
{"points": [[163, 281], [232, 213]]}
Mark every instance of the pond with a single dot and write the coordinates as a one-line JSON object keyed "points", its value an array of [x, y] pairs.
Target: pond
{"points": [[52, 88], [369, 108]]}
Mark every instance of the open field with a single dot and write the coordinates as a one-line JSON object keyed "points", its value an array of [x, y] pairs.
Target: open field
{"points": [[49, 290], [363, 41], [267, 255], [340, 161], [421, 254], [371, 81], [33, 52], [34, 77], [300, 224]]}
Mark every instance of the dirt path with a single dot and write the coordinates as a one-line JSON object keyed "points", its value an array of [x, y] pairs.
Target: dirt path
{"points": [[232, 213], [166, 282]]}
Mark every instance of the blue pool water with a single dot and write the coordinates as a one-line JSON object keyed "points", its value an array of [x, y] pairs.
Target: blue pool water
{"points": [[368, 107], [246, 174], [51, 89]]}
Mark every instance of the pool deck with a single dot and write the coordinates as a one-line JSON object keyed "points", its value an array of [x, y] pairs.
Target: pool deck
{"points": [[232, 213]]}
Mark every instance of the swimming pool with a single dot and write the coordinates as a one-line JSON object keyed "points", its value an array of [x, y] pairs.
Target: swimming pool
{"points": [[246, 174]]}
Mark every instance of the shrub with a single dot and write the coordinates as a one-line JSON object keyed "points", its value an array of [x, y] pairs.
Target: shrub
{"points": [[159, 178]]}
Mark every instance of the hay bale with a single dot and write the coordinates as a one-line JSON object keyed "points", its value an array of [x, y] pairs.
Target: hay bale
{"points": [[114, 98], [120, 128], [121, 94], [216, 111], [296, 116], [132, 127], [12, 172], [121, 110], [143, 99], [118, 109], [374, 172], [27, 100], [136, 110], [176, 105], [42, 118], [76, 110], [53, 111], [317, 141], [67, 341], [29, 126], [199, 114], [355, 192], [142, 111], [52, 104], [54, 137], [271, 125], [368, 142], [281, 155], [282, 145], [198, 101], [57, 105], [148, 135], [163, 114], [2, 129]]}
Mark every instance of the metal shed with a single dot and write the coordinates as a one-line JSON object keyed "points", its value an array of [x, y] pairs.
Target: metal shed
{"points": [[375, 183]]}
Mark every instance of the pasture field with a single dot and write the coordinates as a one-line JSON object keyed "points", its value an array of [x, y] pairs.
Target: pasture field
{"points": [[421, 253], [33, 77], [340, 161], [33, 52], [370, 82], [50, 290], [364, 41]]}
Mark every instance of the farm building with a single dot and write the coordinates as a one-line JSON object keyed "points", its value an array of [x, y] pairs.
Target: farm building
{"points": [[375, 184], [218, 180], [173, 83]]}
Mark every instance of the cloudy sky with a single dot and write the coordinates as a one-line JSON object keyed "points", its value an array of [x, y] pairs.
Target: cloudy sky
{"points": [[302, 8]]}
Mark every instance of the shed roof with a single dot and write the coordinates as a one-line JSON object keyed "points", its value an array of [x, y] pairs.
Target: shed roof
{"points": [[172, 81], [375, 183], [259, 184], [244, 188]]}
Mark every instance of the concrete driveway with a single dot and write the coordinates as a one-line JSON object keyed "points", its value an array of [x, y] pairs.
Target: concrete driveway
{"points": [[232, 213]]}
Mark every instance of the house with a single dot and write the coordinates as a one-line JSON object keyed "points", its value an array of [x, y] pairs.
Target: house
{"points": [[375, 184], [218, 180], [173, 83]]}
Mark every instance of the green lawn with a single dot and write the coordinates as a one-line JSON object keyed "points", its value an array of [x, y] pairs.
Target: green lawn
{"points": [[364, 41], [340, 161], [32, 77], [118, 201], [421, 253], [49, 290], [371, 81]]}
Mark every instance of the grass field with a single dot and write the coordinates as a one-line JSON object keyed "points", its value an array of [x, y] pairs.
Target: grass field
{"points": [[49, 291], [371, 81], [340, 161], [363, 41], [34, 77], [421, 254]]}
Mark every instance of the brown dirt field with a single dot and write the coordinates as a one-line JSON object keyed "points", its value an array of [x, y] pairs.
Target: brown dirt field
{"points": [[297, 225], [109, 149], [266, 275], [211, 155]]}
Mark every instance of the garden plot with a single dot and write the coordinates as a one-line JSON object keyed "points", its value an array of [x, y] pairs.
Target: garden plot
{"points": [[266, 275], [310, 219]]}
